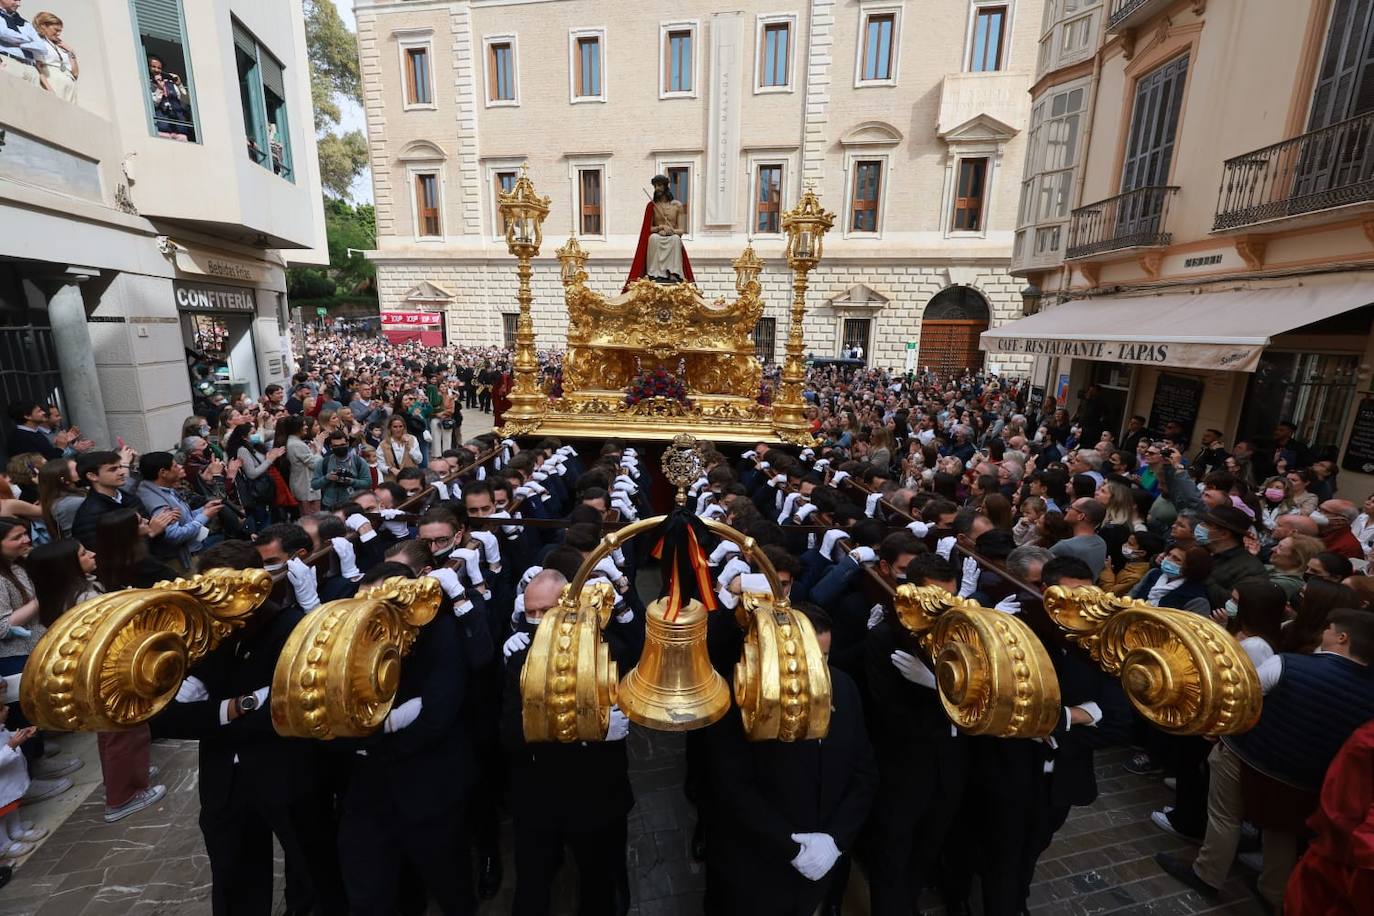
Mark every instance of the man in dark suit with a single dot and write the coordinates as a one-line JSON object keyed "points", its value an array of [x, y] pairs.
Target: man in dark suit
{"points": [[1029, 785], [29, 434], [921, 757], [784, 813], [254, 784], [401, 823], [576, 794], [112, 487]]}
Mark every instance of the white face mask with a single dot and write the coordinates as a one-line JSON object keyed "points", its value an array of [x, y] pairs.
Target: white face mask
{"points": [[1320, 518]]}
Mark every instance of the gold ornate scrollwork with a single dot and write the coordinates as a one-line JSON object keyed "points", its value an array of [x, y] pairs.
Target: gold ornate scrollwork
{"points": [[994, 675], [117, 660], [569, 681], [1181, 670], [782, 681], [339, 670]]}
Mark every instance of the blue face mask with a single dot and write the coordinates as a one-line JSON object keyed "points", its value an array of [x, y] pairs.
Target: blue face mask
{"points": [[1200, 534], [1232, 609], [1170, 568], [255, 438]]}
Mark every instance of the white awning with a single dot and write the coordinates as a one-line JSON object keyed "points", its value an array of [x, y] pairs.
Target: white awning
{"points": [[1202, 330]]}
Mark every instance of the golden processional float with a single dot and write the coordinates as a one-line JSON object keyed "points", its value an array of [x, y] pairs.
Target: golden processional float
{"points": [[117, 660]]}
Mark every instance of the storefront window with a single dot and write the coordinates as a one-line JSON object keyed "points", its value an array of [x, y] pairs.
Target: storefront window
{"points": [[1312, 390]]}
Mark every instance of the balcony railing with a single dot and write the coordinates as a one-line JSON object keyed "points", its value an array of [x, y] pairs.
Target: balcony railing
{"points": [[1122, 11], [1135, 219], [1321, 170]]}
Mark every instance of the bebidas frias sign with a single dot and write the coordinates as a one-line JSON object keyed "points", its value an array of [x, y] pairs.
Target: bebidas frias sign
{"points": [[211, 297]]}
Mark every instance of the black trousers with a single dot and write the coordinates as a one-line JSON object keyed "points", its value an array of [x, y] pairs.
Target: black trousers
{"points": [[539, 853], [1016, 833], [377, 848], [485, 400], [913, 812], [238, 841]]}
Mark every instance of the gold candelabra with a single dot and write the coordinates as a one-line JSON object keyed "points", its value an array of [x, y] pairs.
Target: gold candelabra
{"points": [[524, 211], [805, 225]]}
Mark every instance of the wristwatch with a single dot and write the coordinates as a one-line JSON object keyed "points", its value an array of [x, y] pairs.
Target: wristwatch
{"points": [[247, 703]]}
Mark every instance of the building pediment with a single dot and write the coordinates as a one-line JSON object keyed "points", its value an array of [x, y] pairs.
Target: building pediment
{"points": [[426, 291], [872, 133], [422, 151], [980, 128], [859, 296]]}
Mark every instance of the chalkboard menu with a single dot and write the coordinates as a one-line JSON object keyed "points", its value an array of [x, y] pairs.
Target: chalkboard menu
{"points": [[1177, 399], [1359, 448]]}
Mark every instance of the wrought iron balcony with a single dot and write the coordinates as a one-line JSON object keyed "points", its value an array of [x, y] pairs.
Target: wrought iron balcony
{"points": [[1327, 168], [1123, 14], [1135, 219]]}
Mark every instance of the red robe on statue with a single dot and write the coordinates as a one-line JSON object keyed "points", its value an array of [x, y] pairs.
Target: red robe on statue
{"points": [[500, 398], [638, 265]]}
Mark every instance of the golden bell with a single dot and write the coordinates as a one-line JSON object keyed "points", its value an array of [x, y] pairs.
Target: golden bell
{"points": [[674, 688]]}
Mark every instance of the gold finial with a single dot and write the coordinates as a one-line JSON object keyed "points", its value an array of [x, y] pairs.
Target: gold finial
{"points": [[683, 464]]}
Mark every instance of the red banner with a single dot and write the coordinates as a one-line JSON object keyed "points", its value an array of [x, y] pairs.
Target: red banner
{"points": [[412, 319]]}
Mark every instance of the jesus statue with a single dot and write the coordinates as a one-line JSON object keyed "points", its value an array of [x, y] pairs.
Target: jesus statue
{"points": [[660, 255]]}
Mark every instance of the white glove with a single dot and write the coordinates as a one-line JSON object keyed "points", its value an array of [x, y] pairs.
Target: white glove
{"points": [[839, 477], [518, 609], [864, 555], [509, 445], [629, 484], [787, 506], [518, 641], [779, 481], [192, 690], [734, 568], [819, 854], [441, 488], [524, 492], [807, 454], [348, 561], [944, 546], [763, 465], [303, 583], [540, 475], [804, 512], [875, 615], [527, 577], [832, 537], [538, 488], [728, 599], [631, 451], [388, 514], [619, 726], [718, 555], [618, 556], [472, 565], [968, 583], [715, 510], [1009, 605], [913, 669], [822, 464], [607, 568], [565, 450], [918, 528], [749, 455], [871, 504], [448, 580], [360, 524], [627, 510], [511, 530], [489, 549], [403, 715]]}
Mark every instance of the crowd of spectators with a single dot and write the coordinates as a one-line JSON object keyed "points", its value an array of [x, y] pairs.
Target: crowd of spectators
{"points": [[359, 471]]}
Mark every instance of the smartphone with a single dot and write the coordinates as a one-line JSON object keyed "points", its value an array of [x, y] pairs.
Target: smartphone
{"points": [[12, 687], [119, 440]]}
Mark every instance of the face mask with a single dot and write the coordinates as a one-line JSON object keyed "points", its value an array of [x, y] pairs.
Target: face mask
{"points": [[274, 567], [1273, 494], [1232, 609], [1133, 554], [340, 451], [440, 554], [1171, 569], [255, 438], [205, 430], [899, 578], [1200, 534], [1320, 518]]}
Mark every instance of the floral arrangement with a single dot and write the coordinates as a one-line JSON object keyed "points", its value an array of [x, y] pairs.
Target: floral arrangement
{"points": [[658, 383]]}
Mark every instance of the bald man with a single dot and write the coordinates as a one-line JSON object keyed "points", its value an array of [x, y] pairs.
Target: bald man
{"points": [[576, 794], [1289, 525], [1336, 534]]}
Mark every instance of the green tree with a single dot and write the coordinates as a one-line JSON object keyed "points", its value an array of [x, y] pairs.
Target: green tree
{"points": [[333, 52]]}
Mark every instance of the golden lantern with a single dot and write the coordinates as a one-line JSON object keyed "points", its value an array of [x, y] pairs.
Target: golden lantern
{"points": [[524, 212], [806, 225], [747, 267], [572, 259]]}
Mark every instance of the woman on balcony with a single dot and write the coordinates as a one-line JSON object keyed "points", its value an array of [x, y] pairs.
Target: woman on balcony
{"points": [[58, 62]]}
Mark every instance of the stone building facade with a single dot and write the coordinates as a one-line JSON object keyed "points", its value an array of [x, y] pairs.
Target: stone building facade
{"points": [[908, 120]]}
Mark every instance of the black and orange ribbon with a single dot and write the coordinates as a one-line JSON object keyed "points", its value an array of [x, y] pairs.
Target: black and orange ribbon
{"points": [[687, 573]]}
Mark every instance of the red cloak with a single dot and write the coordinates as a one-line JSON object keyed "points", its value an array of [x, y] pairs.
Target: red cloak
{"points": [[638, 265]]}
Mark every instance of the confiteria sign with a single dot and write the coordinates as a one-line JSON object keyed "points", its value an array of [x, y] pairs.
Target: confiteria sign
{"points": [[211, 297]]}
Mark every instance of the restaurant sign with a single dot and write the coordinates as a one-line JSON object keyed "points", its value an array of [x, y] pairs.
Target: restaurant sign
{"points": [[1183, 354]]}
